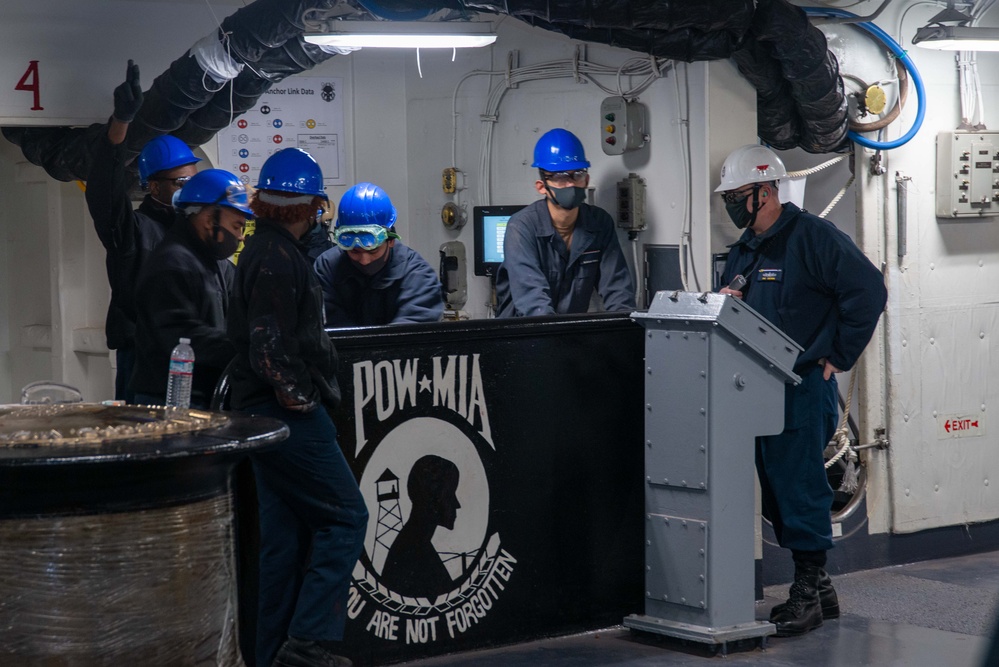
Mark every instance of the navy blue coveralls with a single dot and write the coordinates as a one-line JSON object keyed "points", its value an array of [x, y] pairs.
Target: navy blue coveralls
{"points": [[312, 514], [811, 281], [129, 237], [540, 276], [405, 290]]}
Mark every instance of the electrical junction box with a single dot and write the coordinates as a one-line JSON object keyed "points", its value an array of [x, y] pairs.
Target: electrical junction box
{"points": [[631, 203], [623, 125], [967, 174]]}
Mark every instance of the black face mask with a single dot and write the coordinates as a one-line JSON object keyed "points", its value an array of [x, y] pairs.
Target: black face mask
{"points": [[374, 267], [225, 248], [740, 215], [567, 198]]}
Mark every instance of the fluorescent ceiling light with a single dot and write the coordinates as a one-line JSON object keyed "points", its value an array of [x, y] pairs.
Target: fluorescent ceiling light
{"points": [[403, 34], [957, 38]]}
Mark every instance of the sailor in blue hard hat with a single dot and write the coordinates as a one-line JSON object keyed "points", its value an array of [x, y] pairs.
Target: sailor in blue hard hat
{"points": [[129, 235], [370, 277], [365, 227], [218, 206], [182, 290], [312, 514], [559, 250]]}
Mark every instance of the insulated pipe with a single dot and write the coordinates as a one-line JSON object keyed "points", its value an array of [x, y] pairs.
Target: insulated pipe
{"points": [[679, 30], [184, 100], [394, 15], [263, 25], [801, 100], [240, 94]]}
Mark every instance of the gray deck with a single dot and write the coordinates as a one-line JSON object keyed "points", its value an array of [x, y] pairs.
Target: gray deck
{"points": [[927, 614]]}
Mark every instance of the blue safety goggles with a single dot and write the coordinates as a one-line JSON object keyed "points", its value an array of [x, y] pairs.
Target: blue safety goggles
{"points": [[366, 237]]}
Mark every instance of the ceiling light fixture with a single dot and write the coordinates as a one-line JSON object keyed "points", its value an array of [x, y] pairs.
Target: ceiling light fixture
{"points": [[403, 34], [958, 37]]}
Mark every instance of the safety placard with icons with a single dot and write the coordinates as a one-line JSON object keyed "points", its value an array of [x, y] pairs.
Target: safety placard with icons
{"points": [[302, 112]]}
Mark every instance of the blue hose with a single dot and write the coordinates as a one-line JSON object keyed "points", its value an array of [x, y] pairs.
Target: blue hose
{"points": [[906, 61]]}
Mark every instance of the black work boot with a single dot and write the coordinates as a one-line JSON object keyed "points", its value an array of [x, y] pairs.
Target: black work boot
{"points": [[802, 611], [306, 653], [828, 599]]}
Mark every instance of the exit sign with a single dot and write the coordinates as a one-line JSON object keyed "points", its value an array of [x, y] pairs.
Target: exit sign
{"points": [[960, 426]]}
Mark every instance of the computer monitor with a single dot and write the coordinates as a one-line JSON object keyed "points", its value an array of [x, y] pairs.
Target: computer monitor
{"points": [[490, 228]]}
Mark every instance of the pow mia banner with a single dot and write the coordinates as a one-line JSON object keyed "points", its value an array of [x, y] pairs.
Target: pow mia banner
{"points": [[502, 468]]}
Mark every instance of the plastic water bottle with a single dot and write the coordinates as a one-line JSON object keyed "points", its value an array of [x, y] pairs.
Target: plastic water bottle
{"points": [[178, 392]]}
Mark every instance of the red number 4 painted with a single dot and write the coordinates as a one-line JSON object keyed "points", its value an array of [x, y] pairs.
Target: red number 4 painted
{"points": [[32, 74]]}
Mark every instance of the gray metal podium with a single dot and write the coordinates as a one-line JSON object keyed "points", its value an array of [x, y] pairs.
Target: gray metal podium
{"points": [[715, 376]]}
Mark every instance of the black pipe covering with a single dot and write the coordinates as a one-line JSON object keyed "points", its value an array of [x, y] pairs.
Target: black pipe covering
{"points": [[174, 95], [800, 96], [265, 35], [658, 15], [294, 56], [679, 30], [64, 152], [686, 44], [267, 24], [800, 100]]}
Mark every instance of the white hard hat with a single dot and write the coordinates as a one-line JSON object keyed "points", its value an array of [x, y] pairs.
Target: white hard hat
{"points": [[750, 164]]}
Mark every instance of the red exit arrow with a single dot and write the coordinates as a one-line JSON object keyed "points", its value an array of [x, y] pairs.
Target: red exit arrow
{"points": [[960, 425]]}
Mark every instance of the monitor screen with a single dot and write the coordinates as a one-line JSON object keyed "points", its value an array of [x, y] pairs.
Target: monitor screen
{"points": [[490, 229]]}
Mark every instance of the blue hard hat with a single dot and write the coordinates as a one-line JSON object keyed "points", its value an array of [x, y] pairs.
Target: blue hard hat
{"points": [[215, 187], [559, 150], [161, 154], [292, 170], [365, 204]]}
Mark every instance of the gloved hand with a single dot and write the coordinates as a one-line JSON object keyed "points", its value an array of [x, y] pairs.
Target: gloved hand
{"points": [[128, 95]]}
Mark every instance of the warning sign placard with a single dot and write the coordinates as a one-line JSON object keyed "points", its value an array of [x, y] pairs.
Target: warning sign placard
{"points": [[305, 112]]}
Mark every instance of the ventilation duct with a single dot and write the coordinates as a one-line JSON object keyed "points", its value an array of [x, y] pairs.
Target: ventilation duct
{"points": [[800, 96], [801, 101], [264, 37]]}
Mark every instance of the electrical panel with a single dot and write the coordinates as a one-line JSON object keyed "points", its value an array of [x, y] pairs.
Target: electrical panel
{"points": [[631, 203], [967, 174], [623, 125]]}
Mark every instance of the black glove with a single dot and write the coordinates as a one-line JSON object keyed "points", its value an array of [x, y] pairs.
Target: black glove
{"points": [[128, 95]]}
